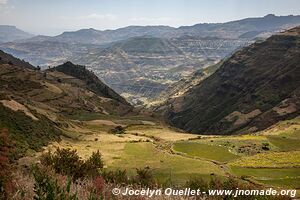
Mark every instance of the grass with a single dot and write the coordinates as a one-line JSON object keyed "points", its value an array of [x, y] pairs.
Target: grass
{"points": [[166, 166], [267, 173], [282, 177], [136, 149], [270, 160], [28, 134], [284, 143], [284, 182], [206, 151], [86, 116], [163, 133]]}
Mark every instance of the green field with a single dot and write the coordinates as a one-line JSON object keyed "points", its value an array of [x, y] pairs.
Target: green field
{"points": [[282, 177], [211, 152], [165, 166], [284, 143], [270, 160], [284, 182]]}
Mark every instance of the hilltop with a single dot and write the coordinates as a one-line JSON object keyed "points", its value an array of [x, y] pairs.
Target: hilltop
{"points": [[91, 81]]}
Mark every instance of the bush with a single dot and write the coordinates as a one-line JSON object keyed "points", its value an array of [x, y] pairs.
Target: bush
{"points": [[6, 185], [47, 187], [93, 164], [117, 176], [67, 162], [117, 130], [144, 177], [266, 146], [197, 183]]}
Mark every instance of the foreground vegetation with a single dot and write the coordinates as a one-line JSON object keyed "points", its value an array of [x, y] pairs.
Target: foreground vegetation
{"points": [[63, 175], [117, 151]]}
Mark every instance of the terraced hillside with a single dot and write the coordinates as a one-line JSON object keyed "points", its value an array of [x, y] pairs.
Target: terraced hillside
{"points": [[35, 106]]}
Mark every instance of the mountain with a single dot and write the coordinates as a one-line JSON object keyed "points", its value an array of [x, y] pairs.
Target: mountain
{"points": [[87, 36], [140, 62], [142, 67], [147, 45], [252, 90], [37, 106], [11, 33], [245, 28], [161, 102], [93, 36], [132, 53]]}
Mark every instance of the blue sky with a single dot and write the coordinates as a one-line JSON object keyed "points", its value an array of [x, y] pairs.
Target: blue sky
{"points": [[52, 17]]}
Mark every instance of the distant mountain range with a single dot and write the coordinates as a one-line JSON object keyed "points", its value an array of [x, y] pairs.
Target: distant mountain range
{"points": [[252, 90], [245, 28], [11, 33]]}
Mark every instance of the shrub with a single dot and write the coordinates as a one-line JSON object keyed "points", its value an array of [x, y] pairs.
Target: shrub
{"points": [[6, 185], [266, 146], [197, 183], [67, 162], [47, 186], [117, 176], [93, 164], [144, 177], [117, 130]]}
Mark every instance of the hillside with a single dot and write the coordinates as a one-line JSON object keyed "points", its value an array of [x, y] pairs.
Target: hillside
{"points": [[91, 81], [9, 59], [11, 33], [252, 90], [37, 106], [147, 45], [177, 89]]}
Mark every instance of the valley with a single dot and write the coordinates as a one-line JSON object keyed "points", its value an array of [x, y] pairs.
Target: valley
{"points": [[137, 68], [204, 106], [141, 62], [175, 156]]}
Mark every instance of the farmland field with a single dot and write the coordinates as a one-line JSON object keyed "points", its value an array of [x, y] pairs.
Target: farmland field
{"points": [[212, 152]]}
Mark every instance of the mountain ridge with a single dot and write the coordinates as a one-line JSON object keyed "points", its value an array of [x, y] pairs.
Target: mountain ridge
{"points": [[233, 28], [253, 89]]}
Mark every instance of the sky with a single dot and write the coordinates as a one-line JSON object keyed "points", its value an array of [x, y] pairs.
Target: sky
{"points": [[52, 17]]}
